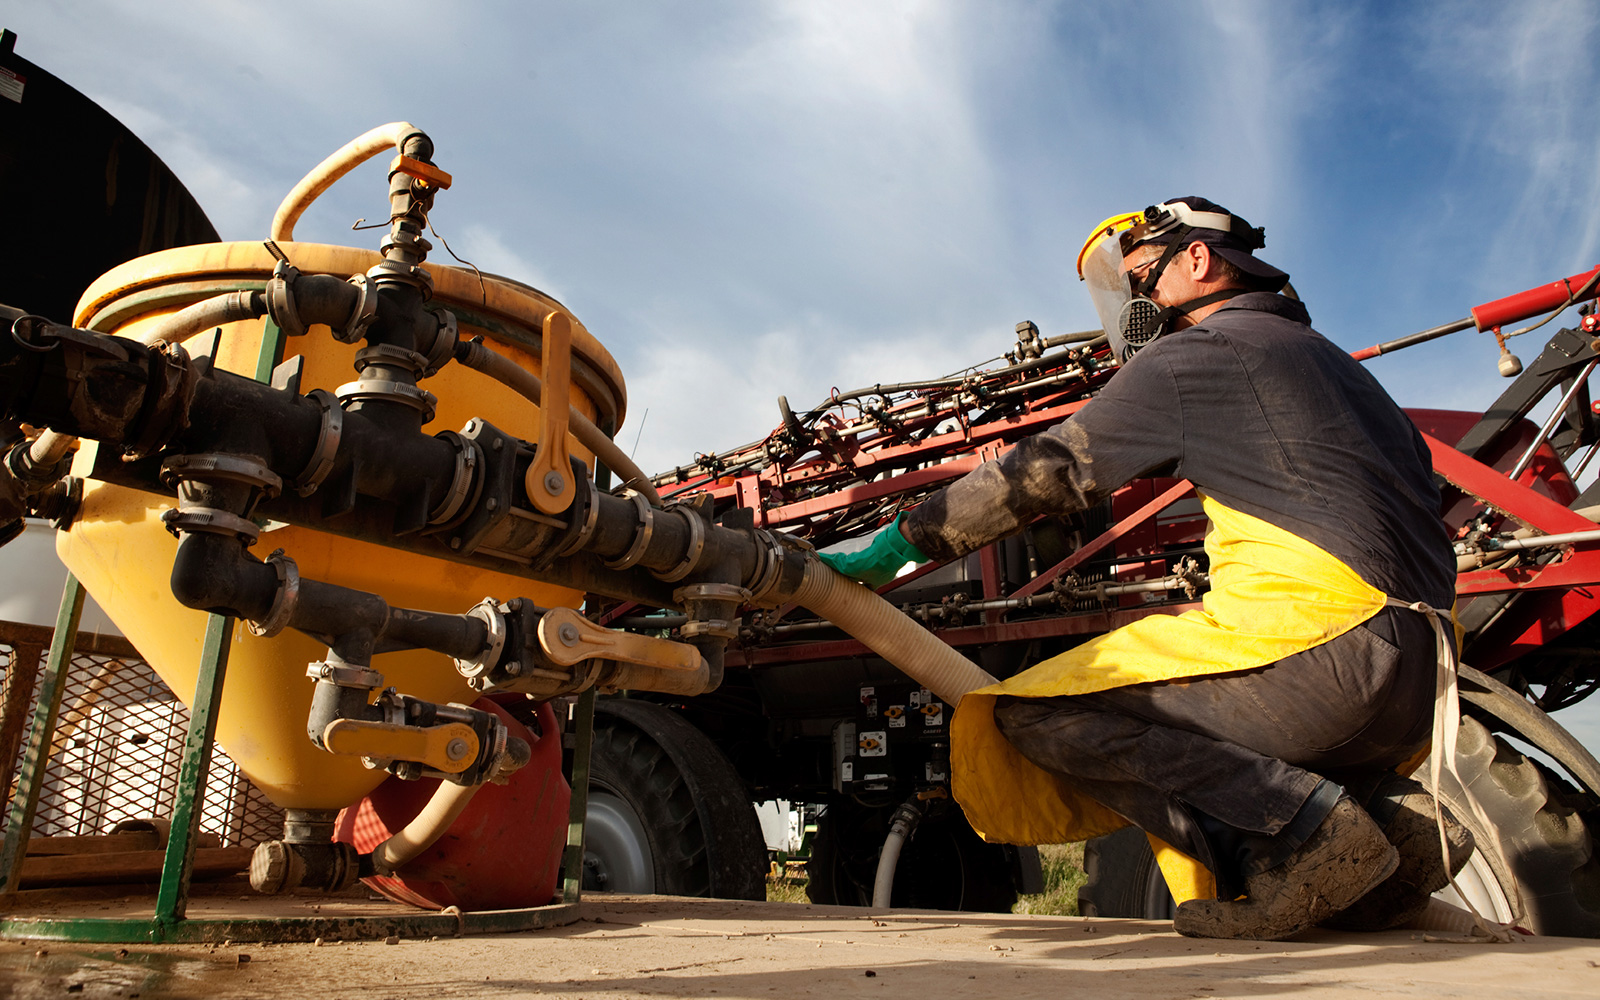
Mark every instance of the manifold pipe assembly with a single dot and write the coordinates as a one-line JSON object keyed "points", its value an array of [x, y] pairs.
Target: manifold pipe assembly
{"points": [[227, 412]]}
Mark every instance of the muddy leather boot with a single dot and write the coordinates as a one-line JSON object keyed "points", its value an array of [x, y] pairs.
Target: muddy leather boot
{"points": [[1342, 860], [1404, 809]]}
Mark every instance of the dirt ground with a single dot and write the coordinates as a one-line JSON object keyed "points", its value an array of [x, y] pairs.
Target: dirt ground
{"points": [[627, 947]]}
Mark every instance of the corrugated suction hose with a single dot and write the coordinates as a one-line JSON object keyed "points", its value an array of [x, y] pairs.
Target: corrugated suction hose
{"points": [[886, 631]]}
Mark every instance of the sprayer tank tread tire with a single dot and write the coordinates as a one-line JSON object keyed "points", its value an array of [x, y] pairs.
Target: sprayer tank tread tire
{"points": [[703, 834]]}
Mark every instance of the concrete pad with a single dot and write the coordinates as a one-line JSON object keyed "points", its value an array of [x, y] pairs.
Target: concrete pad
{"points": [[628, 947]]}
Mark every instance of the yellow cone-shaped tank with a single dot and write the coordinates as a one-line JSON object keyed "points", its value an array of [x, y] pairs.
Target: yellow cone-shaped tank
{"points": [[123, 554]]}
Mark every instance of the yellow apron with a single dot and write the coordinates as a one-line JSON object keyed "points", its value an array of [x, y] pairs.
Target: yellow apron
{"points": [[1273, 594]]}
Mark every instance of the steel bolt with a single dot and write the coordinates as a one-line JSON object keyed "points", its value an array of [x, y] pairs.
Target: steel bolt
{"points": [[456, 749], [513, 668], [455, 543], [568, 634], [554, 483], [497, 444], [490, 504]]}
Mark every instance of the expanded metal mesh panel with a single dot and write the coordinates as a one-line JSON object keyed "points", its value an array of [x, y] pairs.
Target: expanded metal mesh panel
{"points": [[116, 753]]}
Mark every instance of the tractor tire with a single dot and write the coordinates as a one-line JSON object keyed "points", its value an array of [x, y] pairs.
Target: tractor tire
{"points": [[1123, 879], [1537, 867], [667, 813], [944, 865]]}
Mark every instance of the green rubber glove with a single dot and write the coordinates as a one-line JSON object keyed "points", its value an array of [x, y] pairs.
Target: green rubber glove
{"points": [[879, 562]]}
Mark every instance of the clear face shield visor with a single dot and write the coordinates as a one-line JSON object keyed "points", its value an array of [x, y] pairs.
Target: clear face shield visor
{"points": [[1124, 316]]}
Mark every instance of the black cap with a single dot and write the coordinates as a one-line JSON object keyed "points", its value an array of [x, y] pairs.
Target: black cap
{"points": [[1236, 246]]}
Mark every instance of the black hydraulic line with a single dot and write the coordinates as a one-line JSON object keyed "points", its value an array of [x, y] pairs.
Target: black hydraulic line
{"points": [[1389, 347]]}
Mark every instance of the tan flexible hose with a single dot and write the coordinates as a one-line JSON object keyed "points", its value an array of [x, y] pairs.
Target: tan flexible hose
{"points": [[50, 447], [323, 175], [889, 633], [442, 809], [229, 307], [502, 369]]}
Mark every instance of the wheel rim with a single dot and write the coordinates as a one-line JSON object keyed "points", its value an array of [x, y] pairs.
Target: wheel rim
{"points": [[1478, 882], [616, 851]]}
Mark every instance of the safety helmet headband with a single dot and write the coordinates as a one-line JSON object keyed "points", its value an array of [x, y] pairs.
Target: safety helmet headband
{"points": [[1165, 219]]}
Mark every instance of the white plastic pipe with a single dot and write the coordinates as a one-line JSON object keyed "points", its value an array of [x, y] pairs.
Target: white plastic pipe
{"points": [[354, 153], [905, 820]]}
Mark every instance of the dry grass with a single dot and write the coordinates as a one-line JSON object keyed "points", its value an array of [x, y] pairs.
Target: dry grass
{"points": [[787, 886], [1063, 874]]}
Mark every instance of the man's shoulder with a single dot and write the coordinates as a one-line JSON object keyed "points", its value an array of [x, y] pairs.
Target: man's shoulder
{"points": [[1259, 310]]}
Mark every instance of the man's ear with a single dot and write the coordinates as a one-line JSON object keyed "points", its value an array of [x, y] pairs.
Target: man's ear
{"points": [[1202, 260]]}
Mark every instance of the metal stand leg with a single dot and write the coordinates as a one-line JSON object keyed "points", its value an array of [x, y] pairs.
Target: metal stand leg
{"points": [[31, 778], [172, 901], [572, 862]]}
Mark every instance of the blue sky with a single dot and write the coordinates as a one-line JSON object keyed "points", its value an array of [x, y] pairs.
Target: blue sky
{"points": [[746, 198]]}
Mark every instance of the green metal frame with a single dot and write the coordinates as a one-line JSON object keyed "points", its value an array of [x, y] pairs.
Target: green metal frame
{"points": [[171, 923], [30, 780]]}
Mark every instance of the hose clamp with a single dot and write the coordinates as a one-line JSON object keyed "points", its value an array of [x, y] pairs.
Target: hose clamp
{"points": [[477, 667], [280, 299], [283, 602], [221, 468], [466, 471], [697, 544], [717, 627], [421, 400], [328, 436], [211, 521], [344, 675], [444, 343], [591, 517], [641, 540], [365, 312], [771, 567], [408, 274]]}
